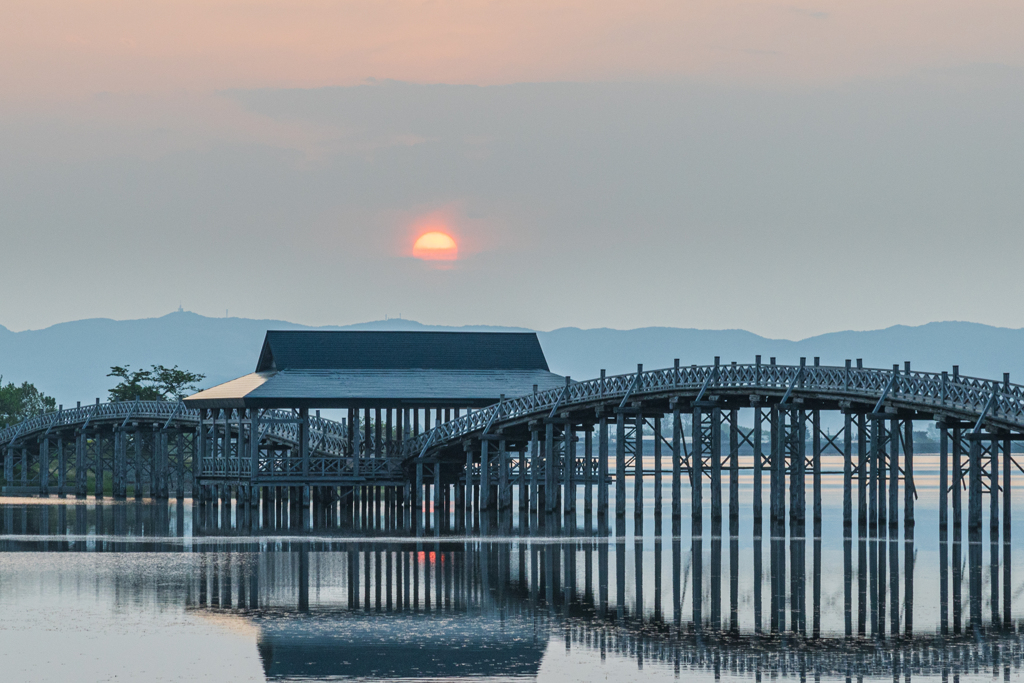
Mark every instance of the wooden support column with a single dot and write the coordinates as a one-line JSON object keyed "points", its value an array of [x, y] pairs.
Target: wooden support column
{"points": [[62, 467], [9, 466], [485, 476], [957, 471], [816, 473], [588, 470], [620, 464], [993, 487], [535, 468], [716, 468], [81, 485], [909, 488], [847, 468], [98, 446], [758, 461], [777, 491], [468, 486], [734, 473], [657, 466], [504, 482], [550, 469], [697, 477], [974, 485], [137, 444], [440, 502], [677, 463], [894, 474], [875, 466], [569, 469], [44, 467]]}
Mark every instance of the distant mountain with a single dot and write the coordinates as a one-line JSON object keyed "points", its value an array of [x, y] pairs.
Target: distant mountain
{"points": [[70, 360]]}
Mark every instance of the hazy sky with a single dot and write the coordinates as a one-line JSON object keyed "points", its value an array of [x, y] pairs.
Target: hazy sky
{"points": [[786, 168]]}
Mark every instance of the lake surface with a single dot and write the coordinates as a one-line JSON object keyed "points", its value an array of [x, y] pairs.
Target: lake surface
{"points": [[96, 591]]}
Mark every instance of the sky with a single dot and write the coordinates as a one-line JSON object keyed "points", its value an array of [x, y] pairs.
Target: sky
{"points": [[789, 169]]}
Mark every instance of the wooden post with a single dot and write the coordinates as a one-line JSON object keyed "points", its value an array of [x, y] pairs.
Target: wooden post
{"points": [[588, 470], [734, 473], [550, 469], [468, 492], [993, 487], [440, 502], [974, 485], [98, 444], [909, 488], [697, 479], [657, 466], [758, 464], [536, 464], [80, 467], [957, 463], [485, 476], [602, 466], [569, 469], [894, 474], [137, 439], [638, 466], [44, 467], [875, 465], [716, 468], [816, 474], [9, 466], [677, 465], [847, 468], [504, 483], [620, 465], [62, 467]]}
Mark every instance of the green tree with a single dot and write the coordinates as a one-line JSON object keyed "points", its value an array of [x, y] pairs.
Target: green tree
{"points": [[176, 384], [159, 383], [20, 403]]}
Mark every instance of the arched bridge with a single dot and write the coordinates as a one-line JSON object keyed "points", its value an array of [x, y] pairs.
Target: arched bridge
{"points": [[549, 446], [156, 447], [533, 441]]}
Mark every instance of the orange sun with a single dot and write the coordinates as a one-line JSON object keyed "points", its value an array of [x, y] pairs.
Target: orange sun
{"points": [[435, 246]]}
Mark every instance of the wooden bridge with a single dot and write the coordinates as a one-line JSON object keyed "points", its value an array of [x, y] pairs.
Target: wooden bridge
{"points": [[544, 449]]}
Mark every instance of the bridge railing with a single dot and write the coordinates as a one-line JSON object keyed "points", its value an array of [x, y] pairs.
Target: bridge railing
{"points": [[966, 394]]}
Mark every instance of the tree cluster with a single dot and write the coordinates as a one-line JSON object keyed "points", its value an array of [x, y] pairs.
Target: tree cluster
{"points": [[156, 384], [19, 403]]}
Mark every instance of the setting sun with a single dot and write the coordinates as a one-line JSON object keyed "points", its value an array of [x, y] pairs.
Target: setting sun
{"points": [[435, 246]]}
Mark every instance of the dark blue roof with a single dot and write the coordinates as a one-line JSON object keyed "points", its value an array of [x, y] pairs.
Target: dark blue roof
{"points": [[348, 350]]}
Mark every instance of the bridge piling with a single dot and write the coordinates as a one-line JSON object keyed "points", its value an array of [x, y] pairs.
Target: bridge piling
{"points": [[620, 465], [638, 465], [677, 465], [816, 468], [847, 469], [734, 473], [44, 467], [602, 467], [588, 471]]}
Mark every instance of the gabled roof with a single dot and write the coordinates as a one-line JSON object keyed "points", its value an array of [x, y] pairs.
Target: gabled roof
{"points": [[386, 369], [317, 350]]}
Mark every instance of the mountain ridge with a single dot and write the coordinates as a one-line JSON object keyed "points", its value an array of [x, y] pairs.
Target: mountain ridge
{"points": [[70, 360]]}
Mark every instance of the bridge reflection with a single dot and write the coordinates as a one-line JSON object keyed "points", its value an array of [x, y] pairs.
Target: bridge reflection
{"points": [[395, 606]]}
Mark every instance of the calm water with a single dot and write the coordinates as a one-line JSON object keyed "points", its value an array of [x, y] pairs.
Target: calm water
{"points": [[140, 590]]}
